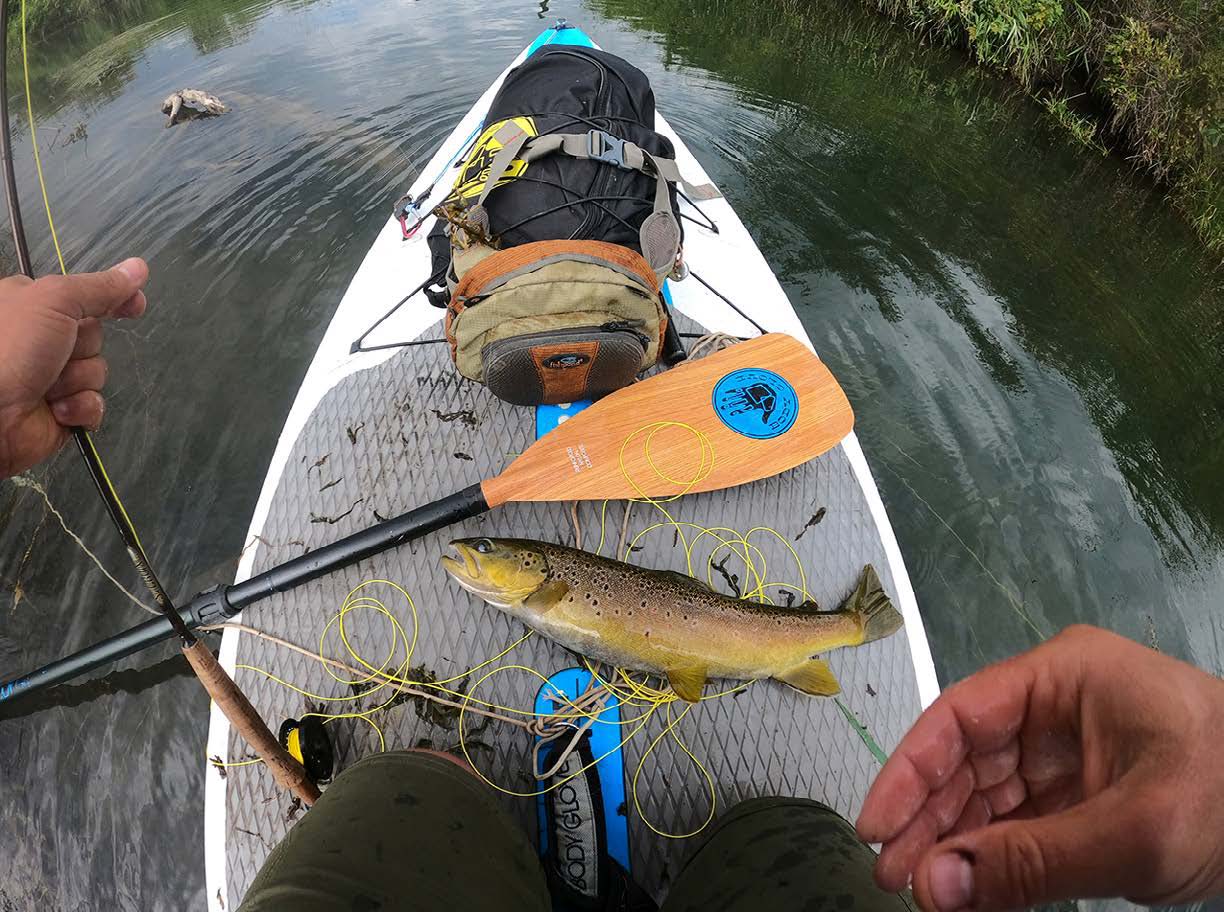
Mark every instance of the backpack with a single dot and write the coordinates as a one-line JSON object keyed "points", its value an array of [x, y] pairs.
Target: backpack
{"points": [[559, 232]]}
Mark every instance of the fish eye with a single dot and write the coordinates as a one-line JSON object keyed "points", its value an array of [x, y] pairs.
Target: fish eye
{"points": [[484, 546]]}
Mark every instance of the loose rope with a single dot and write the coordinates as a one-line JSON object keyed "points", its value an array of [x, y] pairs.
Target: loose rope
{"points": [[25, 481]]}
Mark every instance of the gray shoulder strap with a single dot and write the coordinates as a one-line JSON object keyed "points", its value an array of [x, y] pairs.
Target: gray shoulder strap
{"points": [[659, 235]]}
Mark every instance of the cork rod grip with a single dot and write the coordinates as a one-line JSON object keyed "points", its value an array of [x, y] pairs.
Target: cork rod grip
{"points": [[288, 773]]}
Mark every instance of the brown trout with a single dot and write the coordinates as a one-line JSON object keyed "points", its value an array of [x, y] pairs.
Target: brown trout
{"points": [[665, 622]]}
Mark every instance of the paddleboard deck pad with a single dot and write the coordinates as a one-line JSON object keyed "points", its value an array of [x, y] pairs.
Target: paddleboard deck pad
{"points": [[374, 434]]}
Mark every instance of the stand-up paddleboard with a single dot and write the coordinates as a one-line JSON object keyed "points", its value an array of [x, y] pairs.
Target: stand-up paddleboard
{"points": [[379, 428]]}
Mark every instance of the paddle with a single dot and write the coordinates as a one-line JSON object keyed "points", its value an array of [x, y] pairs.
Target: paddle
{"points": [[748, 412]]}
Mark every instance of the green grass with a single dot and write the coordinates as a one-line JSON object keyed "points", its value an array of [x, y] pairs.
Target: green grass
{"points": [[44, 16], [1143, 78], [1151, 72], [1082, 128]]}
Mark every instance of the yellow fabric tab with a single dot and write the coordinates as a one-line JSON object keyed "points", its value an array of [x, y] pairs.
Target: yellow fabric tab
{"points": [[293, 744]]}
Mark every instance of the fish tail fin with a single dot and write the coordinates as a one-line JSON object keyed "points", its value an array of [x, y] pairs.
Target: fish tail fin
{"points": [[873, 606]]}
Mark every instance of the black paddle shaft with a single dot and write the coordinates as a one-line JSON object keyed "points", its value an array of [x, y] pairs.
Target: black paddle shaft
{"points": [[216, 605]]}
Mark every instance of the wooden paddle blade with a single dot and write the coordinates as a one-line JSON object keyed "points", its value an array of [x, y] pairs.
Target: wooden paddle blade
{"points": [[750, 411]]}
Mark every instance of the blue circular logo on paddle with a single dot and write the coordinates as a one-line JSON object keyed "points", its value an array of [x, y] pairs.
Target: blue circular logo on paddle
{"points": [[756, 403]]}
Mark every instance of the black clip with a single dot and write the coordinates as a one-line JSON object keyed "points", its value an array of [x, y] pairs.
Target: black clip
{"points": [[212, 606], [605, 147]]}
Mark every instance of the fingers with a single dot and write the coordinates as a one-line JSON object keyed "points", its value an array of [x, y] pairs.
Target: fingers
{"points": [[901, 854], [1036, 695], [976, 814], [993, 767], [89, 338], [83, 409], [113, 293], [959, 806], [1098, 848], [960, 765], [946, 804], [1076, 783], [78, 376], [982, 715], [941, 811], [1006, 796], [894, 800], [133, 307]]}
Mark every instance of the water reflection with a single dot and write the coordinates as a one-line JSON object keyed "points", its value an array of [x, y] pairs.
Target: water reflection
{"points": [[1031, 343], [1027, 334]]}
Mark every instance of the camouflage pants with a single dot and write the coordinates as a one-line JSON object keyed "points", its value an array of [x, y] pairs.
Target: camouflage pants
{"points": [[414, 831]]}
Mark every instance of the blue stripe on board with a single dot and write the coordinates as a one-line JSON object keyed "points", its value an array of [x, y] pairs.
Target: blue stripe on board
{"points": [[606, 735], [570, 35]]}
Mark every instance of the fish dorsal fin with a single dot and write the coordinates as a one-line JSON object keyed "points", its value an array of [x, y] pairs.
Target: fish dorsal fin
{"points": [[812, 677], [685, 580], [687, 681], [547, 596]]}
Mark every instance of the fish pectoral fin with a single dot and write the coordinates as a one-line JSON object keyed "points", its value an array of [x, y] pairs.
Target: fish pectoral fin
{"points": [[812, 677], [688, 681], [547, 596]]}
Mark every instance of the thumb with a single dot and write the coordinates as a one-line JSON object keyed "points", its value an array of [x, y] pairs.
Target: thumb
{"points": [[1100, 847], [93, 294]]}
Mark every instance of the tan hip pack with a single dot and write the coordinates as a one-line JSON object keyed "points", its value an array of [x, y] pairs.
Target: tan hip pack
{"points": [[554, 321]]}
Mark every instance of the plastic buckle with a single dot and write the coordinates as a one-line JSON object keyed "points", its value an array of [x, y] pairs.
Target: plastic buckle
{"points": [[605, 147]]}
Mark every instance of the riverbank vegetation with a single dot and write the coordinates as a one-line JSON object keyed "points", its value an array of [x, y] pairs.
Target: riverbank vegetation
{"points": [[1141, 78], [1144, 78], [43, 16]]}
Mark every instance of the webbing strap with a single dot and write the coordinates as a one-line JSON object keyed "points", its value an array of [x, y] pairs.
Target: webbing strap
{"points": [[660, 233], [512, 138]]}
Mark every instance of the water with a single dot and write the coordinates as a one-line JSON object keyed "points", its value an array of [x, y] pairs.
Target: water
{"points": [[1032, 342]]}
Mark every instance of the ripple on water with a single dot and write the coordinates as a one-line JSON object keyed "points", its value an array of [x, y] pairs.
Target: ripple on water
{"points": [[1031, 350]]}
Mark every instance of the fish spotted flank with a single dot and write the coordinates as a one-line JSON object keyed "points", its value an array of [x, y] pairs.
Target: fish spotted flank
{"points": [[665, 622]]}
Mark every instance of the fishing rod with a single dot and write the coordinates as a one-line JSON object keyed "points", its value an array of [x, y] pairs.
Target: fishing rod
{"points": [[220, 687], [586, 458], [89, 453]]}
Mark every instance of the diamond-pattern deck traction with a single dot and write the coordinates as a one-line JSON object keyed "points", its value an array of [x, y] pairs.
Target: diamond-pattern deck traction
{"points": [[387, 450]]}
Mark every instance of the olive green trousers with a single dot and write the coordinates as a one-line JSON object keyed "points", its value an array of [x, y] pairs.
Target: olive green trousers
{"points": [[413, 831]]}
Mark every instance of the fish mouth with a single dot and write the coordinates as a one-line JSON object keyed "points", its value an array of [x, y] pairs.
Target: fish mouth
{"points": [[468, 572], [479, 577], [467, 568]]}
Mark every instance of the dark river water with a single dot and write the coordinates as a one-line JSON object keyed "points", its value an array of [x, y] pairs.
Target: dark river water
{"points": [[1031, 340]]}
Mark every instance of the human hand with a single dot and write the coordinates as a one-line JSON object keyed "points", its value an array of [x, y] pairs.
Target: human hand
{"points": [[51, 366], [1088, 766]]}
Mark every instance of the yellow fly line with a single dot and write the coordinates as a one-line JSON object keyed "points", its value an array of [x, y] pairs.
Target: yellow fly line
{"points": [[385, 678], [636, 692], [59, 255], [25, 70]]}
